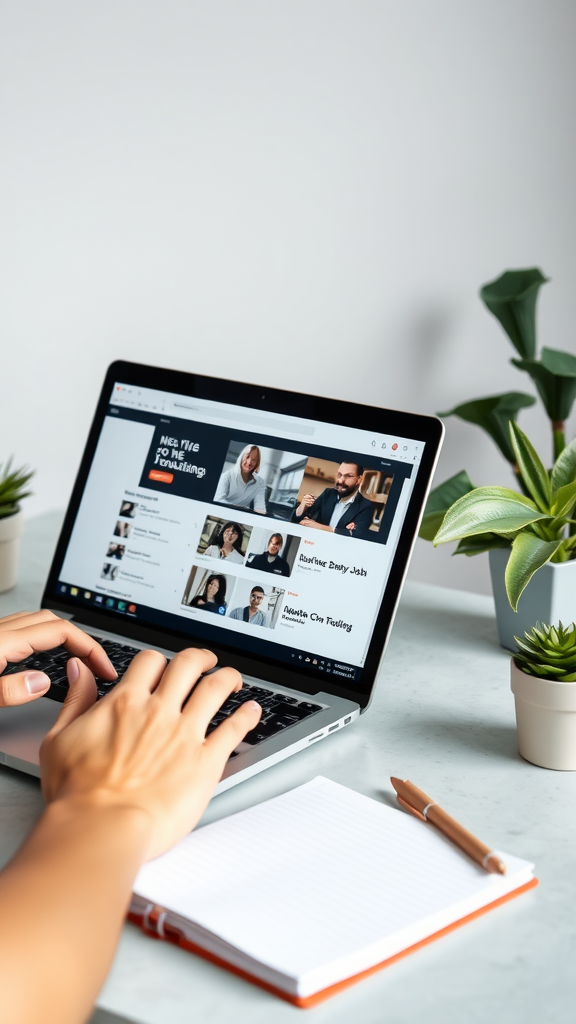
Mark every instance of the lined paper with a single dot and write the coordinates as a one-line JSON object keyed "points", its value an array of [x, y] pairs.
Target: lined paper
{"points": [[317, 881]]}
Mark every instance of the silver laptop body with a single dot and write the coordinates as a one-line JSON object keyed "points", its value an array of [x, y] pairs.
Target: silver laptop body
{"points": [[273, 527]]}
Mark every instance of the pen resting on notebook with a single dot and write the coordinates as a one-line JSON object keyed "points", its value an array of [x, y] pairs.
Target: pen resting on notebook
{"points": [[422, 806]]}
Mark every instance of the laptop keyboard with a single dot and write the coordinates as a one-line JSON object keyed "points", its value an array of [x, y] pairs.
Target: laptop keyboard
{"points": [[279, 710]]}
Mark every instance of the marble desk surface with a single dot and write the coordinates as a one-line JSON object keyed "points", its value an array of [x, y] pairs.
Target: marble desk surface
{"points": [[443, 716]]}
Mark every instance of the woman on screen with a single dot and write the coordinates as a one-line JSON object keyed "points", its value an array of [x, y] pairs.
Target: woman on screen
{"points": [[213, 596], [228, 544], [241, 485]]}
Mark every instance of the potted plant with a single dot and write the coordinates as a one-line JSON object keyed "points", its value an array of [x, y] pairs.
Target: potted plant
{"points": [[13, 484], [532, 530], [544, 686]]}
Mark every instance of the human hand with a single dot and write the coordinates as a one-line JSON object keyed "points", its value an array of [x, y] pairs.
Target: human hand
{"points": [[306, 501], [139, 748], [350, 526], [26, 632], [314, 525]]}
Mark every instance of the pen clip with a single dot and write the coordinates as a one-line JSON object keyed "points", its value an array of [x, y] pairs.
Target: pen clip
{"points": [[411, 809]]}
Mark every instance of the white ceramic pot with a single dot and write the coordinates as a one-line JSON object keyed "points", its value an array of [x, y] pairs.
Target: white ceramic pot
{"points": [[550, 597], [545, 719], [10, 531]]}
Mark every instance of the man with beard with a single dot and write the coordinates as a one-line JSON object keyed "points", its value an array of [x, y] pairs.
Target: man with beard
{"points": [[340, 509]]}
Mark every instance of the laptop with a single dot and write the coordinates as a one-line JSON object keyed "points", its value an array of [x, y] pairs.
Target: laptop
{"points": [[273, 527]]}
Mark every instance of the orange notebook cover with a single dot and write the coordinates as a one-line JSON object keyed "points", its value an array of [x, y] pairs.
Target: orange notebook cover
{"points": [[351, 885]]}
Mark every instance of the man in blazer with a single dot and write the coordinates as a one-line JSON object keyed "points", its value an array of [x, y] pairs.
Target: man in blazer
{"points": [[340, 509]]}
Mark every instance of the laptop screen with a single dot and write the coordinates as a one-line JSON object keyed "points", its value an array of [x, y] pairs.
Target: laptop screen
{"points": [[267, 534]]}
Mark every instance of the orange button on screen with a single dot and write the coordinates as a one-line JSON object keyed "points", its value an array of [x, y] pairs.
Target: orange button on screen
{"points": [[162, 478]]}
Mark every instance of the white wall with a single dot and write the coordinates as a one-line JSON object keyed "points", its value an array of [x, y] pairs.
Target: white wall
{"points": [[301, 193]]}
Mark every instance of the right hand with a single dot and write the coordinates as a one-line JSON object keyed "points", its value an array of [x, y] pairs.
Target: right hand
{"points": [[140, 748], [306, 501]]}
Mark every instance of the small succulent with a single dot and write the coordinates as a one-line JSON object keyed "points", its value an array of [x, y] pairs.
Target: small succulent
{"points": [[548, 652], [13, 488]]}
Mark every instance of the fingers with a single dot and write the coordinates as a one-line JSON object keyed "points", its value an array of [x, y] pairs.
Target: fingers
{"points": [[80, 697], [208, 697], [25, 619], [144, 673], [233, 729], [22, 687], [20, 641], [183, 673]]}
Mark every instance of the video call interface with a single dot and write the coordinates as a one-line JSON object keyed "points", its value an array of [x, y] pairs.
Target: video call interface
{"points": [[270, 545]]}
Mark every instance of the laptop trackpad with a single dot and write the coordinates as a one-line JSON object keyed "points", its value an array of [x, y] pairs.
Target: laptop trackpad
{"points": [[23, 728]]}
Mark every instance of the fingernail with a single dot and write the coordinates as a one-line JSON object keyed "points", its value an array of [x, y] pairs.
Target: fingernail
{"points": [[112, 666], [37, 682], [72, 670], [253, 705]]}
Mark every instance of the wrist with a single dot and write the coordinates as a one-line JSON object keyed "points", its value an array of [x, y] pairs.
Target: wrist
{"points": [[129, 825]]}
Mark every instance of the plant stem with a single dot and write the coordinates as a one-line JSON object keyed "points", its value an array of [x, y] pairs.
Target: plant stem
{"points": [[558, 431]]}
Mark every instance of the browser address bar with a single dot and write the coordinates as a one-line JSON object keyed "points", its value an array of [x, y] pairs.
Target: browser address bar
{"points": [[293, 426]]}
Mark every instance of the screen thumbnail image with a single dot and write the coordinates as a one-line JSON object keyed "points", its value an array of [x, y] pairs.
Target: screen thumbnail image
{"points": [[122, 528], [224, 539], [208, 590], [272, 551], [256, 604], [128, 509], [109, 571], [260, 479], [116, 551], [344, 497]]}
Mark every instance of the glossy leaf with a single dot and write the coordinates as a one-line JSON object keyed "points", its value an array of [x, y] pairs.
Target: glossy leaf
{"points": [[488, 510], [555, 378], [564, 471], [564, 500], [481, 542], [493, 414], [439, 501], [512, 299], [528, 554], [533, 473]]}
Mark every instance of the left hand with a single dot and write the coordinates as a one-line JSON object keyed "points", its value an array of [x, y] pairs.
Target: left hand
{"points": [[26, 632]]}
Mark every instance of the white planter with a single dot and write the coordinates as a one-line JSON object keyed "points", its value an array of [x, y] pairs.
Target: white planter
{"points": [[550, 597], [10, 531], [545, 719]]}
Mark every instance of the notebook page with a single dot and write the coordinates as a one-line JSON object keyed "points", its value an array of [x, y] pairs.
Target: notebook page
{"points": [[317, 876]]}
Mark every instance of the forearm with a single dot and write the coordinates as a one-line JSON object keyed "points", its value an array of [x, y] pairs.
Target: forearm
{"points": [[63, 899]]}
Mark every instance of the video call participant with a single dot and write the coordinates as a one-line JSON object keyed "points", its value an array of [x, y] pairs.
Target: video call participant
{"points": [[340, 509], [213, 596], [241, 485], [228, 544], [270, 560], [251, 613]]}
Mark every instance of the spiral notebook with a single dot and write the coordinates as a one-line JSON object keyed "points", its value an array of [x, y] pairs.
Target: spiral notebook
{"points": [[310, 891]]}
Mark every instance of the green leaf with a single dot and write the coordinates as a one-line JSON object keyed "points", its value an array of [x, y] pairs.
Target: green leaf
{"points": [[439, 501], [555, 378], [564, 500], [512, 299], [564, 471], [493, 414], [488, 510], [479, 543], [528, 554], [532, 471]]}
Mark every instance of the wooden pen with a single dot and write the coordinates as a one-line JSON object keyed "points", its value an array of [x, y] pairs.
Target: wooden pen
{"points": [[423, 807]]}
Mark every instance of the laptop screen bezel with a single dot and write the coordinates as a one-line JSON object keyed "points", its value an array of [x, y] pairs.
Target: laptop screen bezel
{"points": [[426, 429]]}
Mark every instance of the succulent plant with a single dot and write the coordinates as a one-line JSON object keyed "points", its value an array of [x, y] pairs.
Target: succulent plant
{"points": [[13, 488], [548, 652]]}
